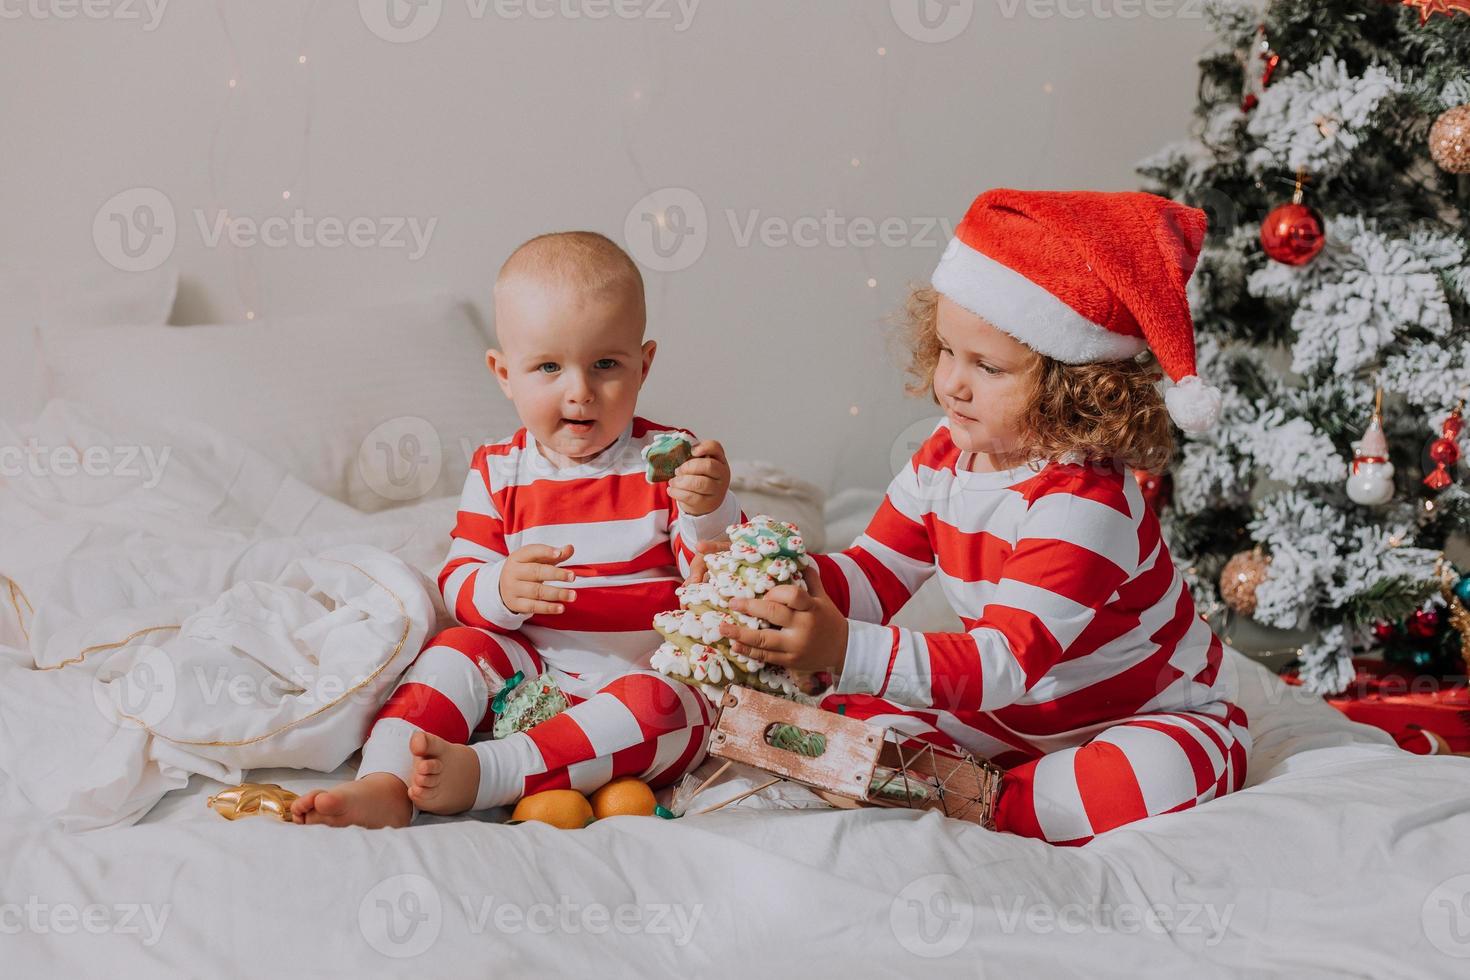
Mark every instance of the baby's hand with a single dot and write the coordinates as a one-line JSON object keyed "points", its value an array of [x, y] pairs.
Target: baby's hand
{"points": [[812, 634], [701, 483], [525, 576], [697, 569]]}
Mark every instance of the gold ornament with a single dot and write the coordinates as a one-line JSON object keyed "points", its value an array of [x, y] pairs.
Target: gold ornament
{"points": [[1459, 615], [1242, 575], [252, 799], [1449, 140]]}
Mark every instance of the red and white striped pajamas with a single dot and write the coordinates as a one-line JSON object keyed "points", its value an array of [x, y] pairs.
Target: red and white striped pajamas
{"points": [[632, 549], [1084, 670]]}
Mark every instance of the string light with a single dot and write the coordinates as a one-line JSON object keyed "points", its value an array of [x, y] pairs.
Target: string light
{"points": [[872, 283], [246, 260], [1046, 88], [852, 410], [856, 162], [882, 52]]}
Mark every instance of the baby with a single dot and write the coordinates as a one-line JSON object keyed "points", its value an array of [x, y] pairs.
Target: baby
{"points": [[570, 318]]}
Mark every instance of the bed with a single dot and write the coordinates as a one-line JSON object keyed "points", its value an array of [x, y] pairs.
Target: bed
{"points": [[1343, 855]]}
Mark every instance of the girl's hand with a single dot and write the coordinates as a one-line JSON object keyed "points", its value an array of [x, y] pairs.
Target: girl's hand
{"points": [[701, 483], [697, 571], [812, 634]]}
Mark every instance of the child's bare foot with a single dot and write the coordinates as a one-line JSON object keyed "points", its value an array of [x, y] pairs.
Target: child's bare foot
{"points": [[378, 799], [446, 776]]}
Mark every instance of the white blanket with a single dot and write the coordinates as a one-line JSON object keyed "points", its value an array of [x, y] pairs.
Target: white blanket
{"points": [[206, 614], [1341, 857]]}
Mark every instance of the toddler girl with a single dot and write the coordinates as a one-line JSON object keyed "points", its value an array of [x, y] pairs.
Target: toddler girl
{"points": [[1084, 669]]}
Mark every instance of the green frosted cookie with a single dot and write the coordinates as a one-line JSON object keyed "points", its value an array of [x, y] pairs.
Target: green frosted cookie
{"points": [[666, 453]]}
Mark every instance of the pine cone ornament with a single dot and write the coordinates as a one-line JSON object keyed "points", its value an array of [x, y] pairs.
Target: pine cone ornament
{"points": [[764, 553]]}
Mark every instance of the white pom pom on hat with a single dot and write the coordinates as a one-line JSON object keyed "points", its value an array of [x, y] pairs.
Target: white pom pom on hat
{"points": [[1086, 276], [1193, 405]]}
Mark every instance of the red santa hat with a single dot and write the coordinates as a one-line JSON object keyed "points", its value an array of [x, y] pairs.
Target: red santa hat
{"points": [[1086, 276]]}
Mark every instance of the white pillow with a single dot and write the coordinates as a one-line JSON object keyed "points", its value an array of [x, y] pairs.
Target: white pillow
{"points": [[375, 408], [32, 300]]}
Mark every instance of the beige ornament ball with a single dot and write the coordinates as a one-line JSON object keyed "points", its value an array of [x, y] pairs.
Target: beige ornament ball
{"points": [[1242, 575], [1449, 140]]}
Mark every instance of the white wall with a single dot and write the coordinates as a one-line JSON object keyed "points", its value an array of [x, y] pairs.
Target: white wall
{"points": [[499, 127]]}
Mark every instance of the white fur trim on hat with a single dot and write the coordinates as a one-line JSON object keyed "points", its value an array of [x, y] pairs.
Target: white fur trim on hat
{"points": [[1193, 405], [1026, 311]]}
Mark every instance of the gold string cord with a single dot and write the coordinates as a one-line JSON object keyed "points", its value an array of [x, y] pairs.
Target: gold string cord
{"points": [[402, 639]]}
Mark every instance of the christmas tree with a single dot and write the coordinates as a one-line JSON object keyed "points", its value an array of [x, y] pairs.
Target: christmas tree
{"points": [[764, 554], [1331, 151]]}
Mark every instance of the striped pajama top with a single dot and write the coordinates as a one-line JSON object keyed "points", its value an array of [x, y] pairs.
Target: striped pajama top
{"points": [[633, 547], [1074, 614]]}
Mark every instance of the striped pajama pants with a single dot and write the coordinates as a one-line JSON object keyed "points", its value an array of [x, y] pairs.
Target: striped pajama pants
{"points": [[1137, 767], [646, 725], [639, 724]]}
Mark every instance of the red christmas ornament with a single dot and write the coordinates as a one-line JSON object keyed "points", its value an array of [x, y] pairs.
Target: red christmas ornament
{"points": [[1444, 452], [1292, 233], [1156, 487], [1423, 624], [1383, 631], [1270, 59]]}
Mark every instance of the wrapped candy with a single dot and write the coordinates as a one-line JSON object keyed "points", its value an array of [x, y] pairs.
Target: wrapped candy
{"points": [[764, 553], [523, 704]]}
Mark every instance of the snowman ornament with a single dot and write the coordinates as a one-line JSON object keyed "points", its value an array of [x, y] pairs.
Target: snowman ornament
{"points": [[1370, 478]]}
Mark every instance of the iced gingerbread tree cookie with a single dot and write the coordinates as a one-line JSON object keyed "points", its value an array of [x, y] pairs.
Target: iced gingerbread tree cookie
{"points": [[764, 553], [666, 453]]}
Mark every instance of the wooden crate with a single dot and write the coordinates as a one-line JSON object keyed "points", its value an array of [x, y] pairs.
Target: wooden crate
{"points": [[924, 776]]}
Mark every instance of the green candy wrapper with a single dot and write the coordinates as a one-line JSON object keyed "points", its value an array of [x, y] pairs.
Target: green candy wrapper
{"points": [[523, 704]]}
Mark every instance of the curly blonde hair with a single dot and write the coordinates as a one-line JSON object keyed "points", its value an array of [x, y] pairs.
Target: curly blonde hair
{"points": [[1112, 409]]}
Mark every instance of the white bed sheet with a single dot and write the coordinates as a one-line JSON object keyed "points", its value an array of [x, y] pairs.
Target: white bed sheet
{"points": [[1342, 856]]}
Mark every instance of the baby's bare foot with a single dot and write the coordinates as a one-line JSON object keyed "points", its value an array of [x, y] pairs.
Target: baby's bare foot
{"points": [[378, 799], [446, 776]]}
